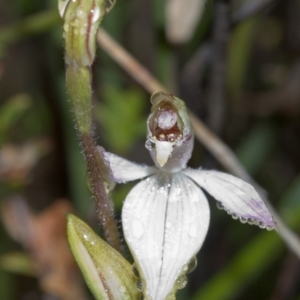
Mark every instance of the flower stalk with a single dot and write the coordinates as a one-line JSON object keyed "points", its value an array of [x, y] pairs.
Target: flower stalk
{"points": [[82, 19]]}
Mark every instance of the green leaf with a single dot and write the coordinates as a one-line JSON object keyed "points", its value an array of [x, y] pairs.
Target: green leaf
{"points": [[239, 54], [256, 146], [11, 112], [121, 116], [107, 273], [17, 262]]}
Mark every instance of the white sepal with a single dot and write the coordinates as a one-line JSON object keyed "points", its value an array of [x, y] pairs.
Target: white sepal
{"points": [[124, 170], [237, 197], [165, 220]]}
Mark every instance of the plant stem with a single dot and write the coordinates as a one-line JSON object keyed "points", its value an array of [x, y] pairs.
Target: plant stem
{"points": [[101, 195], [82, 19]]}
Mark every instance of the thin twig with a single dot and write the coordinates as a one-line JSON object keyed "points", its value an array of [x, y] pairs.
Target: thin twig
{"points": [[220, 151], [128, 63]]}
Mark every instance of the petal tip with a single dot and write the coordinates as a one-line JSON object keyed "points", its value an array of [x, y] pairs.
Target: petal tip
{"points": [[263, 220]]}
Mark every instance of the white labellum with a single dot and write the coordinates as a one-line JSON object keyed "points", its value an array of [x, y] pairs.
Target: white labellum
{"points": [[163, 151]]}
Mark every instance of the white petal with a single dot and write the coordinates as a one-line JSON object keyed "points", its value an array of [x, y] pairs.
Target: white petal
{"points": [[124, 170], [236, 196], [165, 220]]}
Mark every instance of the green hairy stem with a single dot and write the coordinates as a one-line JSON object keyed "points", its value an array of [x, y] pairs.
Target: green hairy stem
{"points": [[82, 19]]}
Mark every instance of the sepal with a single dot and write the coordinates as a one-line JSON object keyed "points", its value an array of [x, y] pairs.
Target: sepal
{"points": [[123, 170], [237, 197]]}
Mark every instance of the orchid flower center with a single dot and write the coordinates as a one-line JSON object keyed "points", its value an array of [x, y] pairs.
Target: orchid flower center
{"points": [[166, 128], [169, 133]]}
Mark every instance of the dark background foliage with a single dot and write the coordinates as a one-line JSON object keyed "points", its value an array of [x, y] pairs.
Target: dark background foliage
{"points": [[239, 73]]}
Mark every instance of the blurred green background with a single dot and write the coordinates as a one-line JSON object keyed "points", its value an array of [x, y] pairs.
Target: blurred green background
{"points": [[238, 70]]}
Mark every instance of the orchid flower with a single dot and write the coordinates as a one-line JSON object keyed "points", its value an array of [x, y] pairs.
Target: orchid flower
{"points": [[166, 216]]}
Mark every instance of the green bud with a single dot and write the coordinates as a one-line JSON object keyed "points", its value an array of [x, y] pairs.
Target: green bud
{"points": [[81, 22], [107, 273]]}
